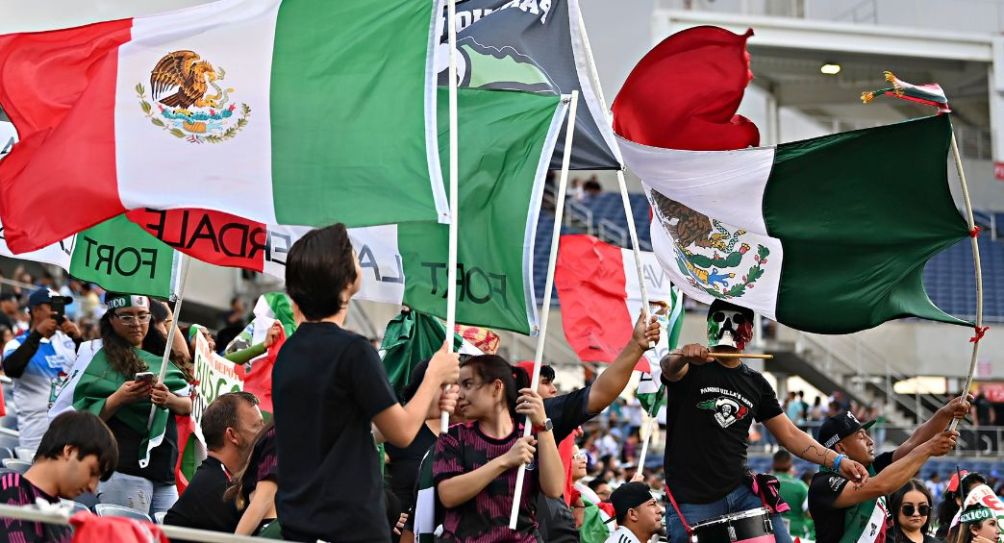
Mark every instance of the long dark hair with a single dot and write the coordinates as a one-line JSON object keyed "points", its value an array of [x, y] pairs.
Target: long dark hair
{"points": [[156, 342], [896, 502], [489, 367], [122, 356]]}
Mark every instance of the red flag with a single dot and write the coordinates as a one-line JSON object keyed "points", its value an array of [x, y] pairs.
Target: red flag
{"points": [[685, 92], [592, 286], [259, 380]]}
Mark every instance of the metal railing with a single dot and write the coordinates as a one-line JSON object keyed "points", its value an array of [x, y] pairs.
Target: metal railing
{"points": [[34, 514], [612, 232]]}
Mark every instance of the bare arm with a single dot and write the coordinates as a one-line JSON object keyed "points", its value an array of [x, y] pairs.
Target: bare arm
{"points": [[615, 377], [897, 474], [957, 408], [398, 424], [457, 490], [261, 507], [806, 448], [552, 471]]}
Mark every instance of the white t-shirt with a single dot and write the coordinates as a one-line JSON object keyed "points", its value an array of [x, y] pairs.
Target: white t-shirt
{"points": [[622, 535], [43, 379]]}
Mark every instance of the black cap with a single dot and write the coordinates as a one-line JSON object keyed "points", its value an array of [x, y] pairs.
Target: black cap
{"points": [[836, 428], [628, 496]]}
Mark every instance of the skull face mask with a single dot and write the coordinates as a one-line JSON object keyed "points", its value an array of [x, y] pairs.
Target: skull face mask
{"points": [[729, 328]]}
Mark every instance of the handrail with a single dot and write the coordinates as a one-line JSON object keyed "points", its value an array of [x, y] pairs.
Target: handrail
{"points": [[33, 514], [581, 212], [612, 232]]}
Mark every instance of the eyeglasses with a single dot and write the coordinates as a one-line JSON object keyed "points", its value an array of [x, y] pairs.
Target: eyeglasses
{"points": [[581, 455], [922, 510], [142, 318], [737, 318]]}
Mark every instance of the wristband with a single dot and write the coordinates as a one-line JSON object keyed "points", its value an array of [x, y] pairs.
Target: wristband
{"points": [[837, 460]]}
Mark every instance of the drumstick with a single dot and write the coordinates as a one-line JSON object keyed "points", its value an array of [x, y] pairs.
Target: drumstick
{"points": [[758, 356]]}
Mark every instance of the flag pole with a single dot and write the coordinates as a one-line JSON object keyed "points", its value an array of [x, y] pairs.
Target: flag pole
{"points": [[559, 211], [974, 238], [185, 262], [454, 167], [650, 426], [622, 185]]}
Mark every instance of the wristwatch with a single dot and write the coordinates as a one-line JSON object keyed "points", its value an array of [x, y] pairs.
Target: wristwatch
{"points": [[546, 427]]}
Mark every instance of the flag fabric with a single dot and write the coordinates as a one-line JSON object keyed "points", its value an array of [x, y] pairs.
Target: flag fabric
{"points": [[684, 93], [411, 337], [981, 495], [115, 254], [507, 139], [256, 375], [929, 94], [595, 524], [97, 381], [229, 106], [534, 46], [814, 233], [650, 391], [601, 298], [424, 521]]}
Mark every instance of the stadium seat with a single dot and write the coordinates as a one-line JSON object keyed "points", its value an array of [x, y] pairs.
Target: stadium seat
{"points": [[9, 441], [14, 464], [76, 507], [24, 453], [112, 510], [9, 421]]}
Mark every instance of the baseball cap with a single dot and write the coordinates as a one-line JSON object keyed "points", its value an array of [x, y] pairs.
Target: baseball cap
{"points": [[546, 372], [628, 496], [840, 426], [47, 296]]}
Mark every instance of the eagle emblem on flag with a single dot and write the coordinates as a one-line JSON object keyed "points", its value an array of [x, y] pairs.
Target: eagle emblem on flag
{"points": [[709, 253], [189, 100]]}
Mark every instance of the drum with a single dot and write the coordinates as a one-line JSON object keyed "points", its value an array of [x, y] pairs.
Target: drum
{"points": [[753, 526]]}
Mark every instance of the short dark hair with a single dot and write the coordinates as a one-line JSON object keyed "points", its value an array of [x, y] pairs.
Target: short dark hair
{"points": [[85, 431], [222, 414], [318, 268]]}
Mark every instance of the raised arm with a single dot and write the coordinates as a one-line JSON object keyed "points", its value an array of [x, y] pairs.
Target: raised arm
{"points": [[956, 409], [898, 473], [675, 366], [400, 424], [802, 445], [552, 471], [615, 377]]}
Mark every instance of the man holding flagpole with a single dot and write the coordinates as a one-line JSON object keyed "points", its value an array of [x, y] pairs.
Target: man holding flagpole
{"points": [[713, 401], [856, 513]]}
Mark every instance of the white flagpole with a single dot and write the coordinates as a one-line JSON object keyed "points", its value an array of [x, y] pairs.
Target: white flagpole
{"points": [[979, 274], [454, 167], [185, 262], [559, 211], [632, 231]]}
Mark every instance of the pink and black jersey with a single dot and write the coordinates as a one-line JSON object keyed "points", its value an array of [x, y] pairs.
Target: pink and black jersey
{"points": [[485, 518], [16, 490]]}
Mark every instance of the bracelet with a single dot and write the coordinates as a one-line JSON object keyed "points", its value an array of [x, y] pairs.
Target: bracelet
{"points": [[837, 460]]}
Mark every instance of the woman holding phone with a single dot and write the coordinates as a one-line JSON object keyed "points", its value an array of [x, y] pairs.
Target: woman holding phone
{"points": [[120, 386]]}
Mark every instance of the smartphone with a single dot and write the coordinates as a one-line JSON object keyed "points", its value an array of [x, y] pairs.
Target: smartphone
{"points": [[145, 376]]}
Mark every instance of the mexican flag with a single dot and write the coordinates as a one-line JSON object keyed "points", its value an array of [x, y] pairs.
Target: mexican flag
{"points": [[411, 337], [285, 112], [981, 495], [506, 139], [115, 254], [814, 233], [93, 380], [270, 308], [601, 299], [651, 391], [928, 94]]}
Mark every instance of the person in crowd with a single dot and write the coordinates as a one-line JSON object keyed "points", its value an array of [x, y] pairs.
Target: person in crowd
{"points": [[254, 487], [602, 488], [475, 465], [958, 487], [232, 322], [795, 493], [977, 524], [75, 452], [713, 401], [910, 508], [842, 510], [324, 369], [569, 411], [639, 515], [10, 310], [119, 384], [39, 361], [155, 342], [230, 425]]}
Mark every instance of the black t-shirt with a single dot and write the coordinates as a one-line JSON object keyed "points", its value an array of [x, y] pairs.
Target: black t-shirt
{"points": [[708, 414], [327, 385], [201, 505], [567, 412], [826, 486], [402, 469], [163, 457]]}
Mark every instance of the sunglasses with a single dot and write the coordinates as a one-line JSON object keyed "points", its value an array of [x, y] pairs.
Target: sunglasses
{"points": [[922, 510], [737, 318]]}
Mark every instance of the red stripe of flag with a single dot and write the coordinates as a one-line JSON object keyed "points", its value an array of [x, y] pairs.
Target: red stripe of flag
{"points": [[210, 236], [58, 88]]}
